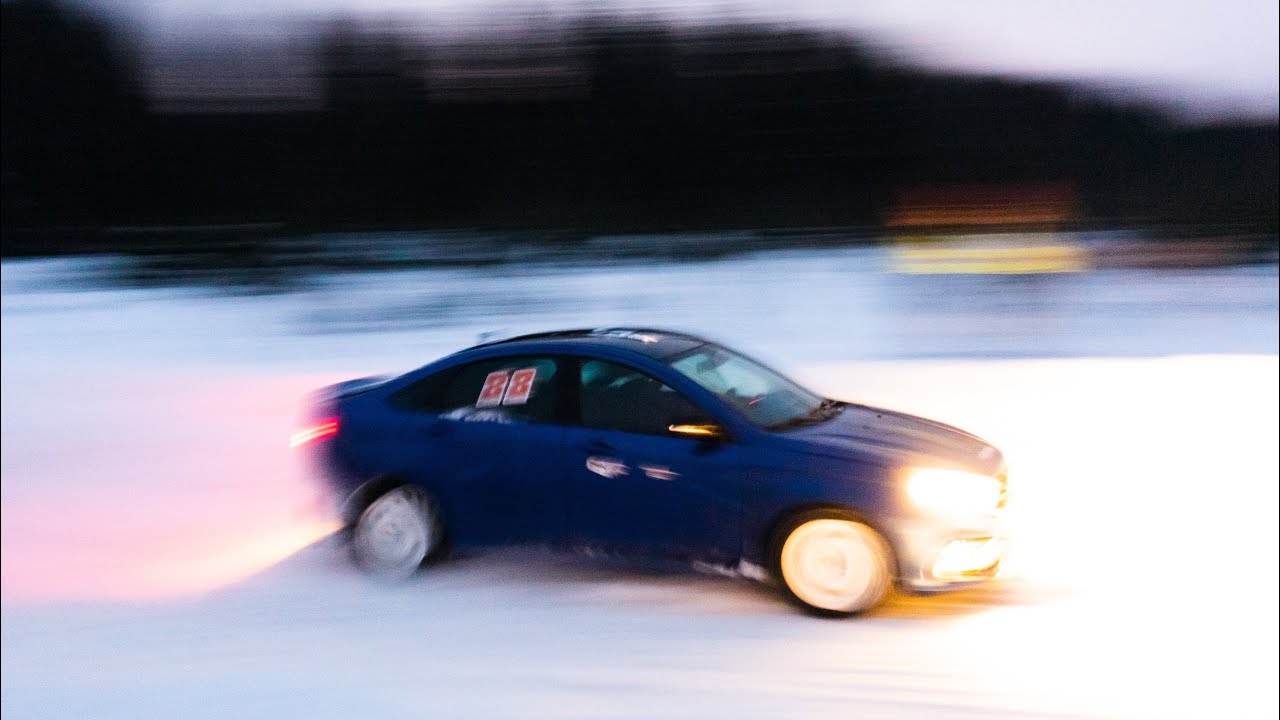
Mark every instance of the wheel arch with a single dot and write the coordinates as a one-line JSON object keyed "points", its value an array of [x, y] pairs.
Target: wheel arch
{"points": [[363, 496], [787, 520]]}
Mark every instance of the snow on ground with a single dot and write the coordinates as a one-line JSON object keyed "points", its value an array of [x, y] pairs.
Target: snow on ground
{"points": [[163, 554], [789, 307]]}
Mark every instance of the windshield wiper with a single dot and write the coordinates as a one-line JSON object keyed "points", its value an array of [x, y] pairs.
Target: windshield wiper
{"points": [[821, 413], [829, 407]]}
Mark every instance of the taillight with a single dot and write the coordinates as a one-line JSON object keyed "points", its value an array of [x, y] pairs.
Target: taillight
{"points": [[322, 429]]}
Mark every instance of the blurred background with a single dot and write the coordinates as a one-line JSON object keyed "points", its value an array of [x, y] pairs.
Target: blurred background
{"points": [[1054, 225], [233, 133]]}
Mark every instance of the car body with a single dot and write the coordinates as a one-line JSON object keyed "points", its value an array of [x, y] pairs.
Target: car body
{"points": [[657, 443]]}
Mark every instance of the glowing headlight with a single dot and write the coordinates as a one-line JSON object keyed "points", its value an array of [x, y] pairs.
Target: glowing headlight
{"points": [[953, 491]]}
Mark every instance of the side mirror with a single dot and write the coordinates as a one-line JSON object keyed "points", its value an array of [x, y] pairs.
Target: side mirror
{"points": [[699, 430]]}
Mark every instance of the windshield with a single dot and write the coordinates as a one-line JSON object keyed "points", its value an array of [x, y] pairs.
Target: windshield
{"points": [[763, 396]]}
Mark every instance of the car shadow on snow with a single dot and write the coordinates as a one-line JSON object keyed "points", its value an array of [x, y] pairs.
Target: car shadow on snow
{"points": [[557, 578]]}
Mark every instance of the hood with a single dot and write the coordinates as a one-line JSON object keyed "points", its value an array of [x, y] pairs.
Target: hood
{"points": [[896, 437]]}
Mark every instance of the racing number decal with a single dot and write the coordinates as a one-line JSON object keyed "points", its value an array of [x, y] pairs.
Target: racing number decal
{"points": [[504, 388], [495, 384], [520, 387]]}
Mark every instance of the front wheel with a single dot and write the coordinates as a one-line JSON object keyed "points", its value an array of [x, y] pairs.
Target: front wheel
{"points": [[397, 533], [833, 564]]}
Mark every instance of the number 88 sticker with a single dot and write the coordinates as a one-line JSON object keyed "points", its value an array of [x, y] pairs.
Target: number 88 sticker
{"points": [[504, 388]]}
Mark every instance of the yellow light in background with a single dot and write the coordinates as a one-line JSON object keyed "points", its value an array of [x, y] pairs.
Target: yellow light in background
{"points": [[983, 260]]}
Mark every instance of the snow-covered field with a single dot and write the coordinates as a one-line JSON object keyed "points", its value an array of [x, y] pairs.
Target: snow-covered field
{"points": [[163, 554]]}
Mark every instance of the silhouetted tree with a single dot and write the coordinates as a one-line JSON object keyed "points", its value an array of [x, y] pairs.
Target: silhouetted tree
{"points": [[603, 125], [70, 109]]}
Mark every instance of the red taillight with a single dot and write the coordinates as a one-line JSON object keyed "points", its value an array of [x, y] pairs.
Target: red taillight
{"points": [[321, 430]]}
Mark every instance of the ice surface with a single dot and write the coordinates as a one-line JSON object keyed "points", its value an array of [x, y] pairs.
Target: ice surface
{"points": [[152, 513], [789, 307]]}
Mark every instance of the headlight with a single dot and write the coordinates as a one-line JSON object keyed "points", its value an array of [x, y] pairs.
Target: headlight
{"points": [[952, 491]]}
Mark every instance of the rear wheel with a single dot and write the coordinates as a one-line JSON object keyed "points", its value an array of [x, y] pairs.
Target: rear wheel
{"points": [[832, 564], [397, 533]]}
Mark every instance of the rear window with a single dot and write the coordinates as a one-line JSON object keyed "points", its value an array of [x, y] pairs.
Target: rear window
{"points": [[509, 388]]}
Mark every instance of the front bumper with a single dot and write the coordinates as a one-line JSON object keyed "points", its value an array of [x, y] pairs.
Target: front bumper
{"points": [[935, 556]]}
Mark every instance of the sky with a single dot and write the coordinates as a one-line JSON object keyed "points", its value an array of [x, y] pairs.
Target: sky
{"points": [[1207, 57]]}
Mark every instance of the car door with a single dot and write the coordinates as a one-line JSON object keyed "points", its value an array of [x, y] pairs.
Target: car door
{"points": [[633, 484], [487, 438]]}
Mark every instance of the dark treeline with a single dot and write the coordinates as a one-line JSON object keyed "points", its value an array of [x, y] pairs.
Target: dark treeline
{"points": [[611, 128]]}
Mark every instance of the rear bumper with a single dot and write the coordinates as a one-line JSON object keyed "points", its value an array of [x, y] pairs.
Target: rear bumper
{"points": [[335, 483]]}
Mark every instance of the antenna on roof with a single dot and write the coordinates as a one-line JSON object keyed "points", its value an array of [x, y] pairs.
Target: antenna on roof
{"points": [[488, 335]]}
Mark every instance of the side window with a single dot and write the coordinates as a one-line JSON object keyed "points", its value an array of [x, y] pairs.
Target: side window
{"points": [[515, 389], [424, 395], [617, 397]]}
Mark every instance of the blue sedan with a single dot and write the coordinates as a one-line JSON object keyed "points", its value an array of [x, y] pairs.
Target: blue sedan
{"points": [[656, 443]]}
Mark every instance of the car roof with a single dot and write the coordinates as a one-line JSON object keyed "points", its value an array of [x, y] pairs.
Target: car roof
{"points": [[654, 342]]}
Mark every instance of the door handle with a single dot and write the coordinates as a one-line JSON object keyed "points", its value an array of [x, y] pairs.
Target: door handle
{"points": [[659, 472], [607, 467]]}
